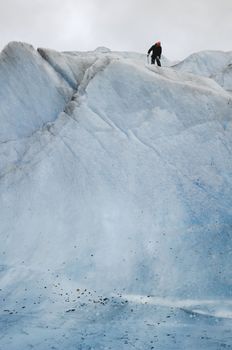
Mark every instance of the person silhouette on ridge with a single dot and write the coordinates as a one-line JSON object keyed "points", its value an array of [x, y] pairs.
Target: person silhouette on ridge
{"points": [[156, 50]]}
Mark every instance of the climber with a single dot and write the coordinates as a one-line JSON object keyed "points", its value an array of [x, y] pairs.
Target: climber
{"points": [[156, 50]]}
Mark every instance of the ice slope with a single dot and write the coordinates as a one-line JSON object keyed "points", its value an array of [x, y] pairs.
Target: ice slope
{"points": [[224, 78], [214, 64], [31, 93], [124, 195]]}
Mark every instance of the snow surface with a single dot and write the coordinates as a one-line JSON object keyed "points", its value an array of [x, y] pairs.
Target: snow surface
{"points": [[116, 202]]}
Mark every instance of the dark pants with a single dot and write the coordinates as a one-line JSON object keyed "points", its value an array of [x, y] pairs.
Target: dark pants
{"points": [[155, 58]]}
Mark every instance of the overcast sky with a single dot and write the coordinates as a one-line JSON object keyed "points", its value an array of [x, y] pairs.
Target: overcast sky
{"points": [[183, 26]]}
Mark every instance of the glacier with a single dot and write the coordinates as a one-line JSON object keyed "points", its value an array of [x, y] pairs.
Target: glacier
{"points": [[115, 200]]}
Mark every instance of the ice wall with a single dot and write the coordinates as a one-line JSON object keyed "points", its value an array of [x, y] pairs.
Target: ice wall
{"points": [[128, 189]]}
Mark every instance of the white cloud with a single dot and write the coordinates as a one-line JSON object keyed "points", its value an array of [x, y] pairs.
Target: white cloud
{"points": [[183, 26]]}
